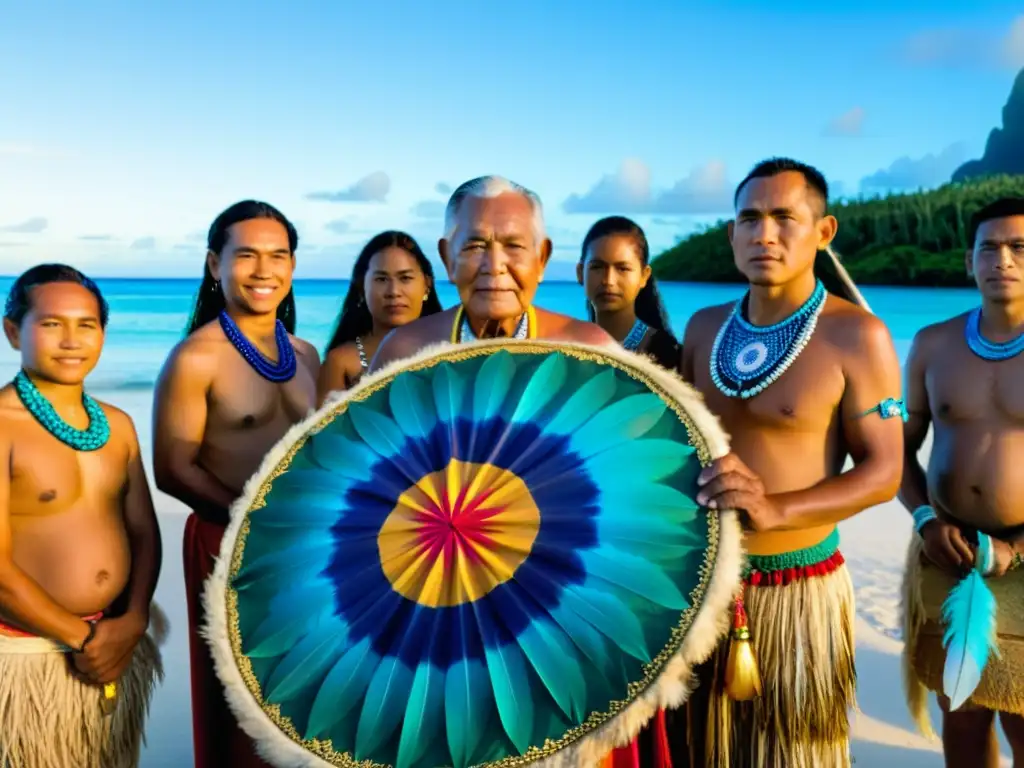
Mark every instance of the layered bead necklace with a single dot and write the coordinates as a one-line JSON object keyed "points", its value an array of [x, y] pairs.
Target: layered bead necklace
{"points": [[635, 336], [989, 350], [92, 438], [747, 359], [281, 371], [461, 329]]}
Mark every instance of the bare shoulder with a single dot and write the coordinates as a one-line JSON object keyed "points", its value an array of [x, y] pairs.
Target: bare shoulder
{"points": [[850, 327], [556, 326], [199, 353], [706, 321], [306, 353], [936, 336], [342, 356], [407, 340], [122, 426], [12, 413]]}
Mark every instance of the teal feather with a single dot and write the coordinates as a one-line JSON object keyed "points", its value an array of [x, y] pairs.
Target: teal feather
{"points": [[619, 423], [379, 431], [423, 715], [383, 706], [635, 574], [305, 664], [467, 699], [412, 404], [589, 397], [342, 689], [346, 458], [609, 616], [621, 498], [493, 382], [660, 537], [305, 483], [648, 460], [302, 561], [449, 392], [289, 616], [551, 654], [969, 614], [595, 649], [510, 680], [544, 384]]}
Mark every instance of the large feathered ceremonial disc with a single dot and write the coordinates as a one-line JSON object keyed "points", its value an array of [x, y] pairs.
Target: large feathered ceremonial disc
{"points": [[486, 555]]}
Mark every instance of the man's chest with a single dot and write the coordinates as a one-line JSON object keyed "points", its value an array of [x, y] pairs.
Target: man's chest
{"points": [[962, 387]]}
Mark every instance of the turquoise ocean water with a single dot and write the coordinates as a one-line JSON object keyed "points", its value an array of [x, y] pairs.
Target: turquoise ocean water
{"points": [[147, 317]]}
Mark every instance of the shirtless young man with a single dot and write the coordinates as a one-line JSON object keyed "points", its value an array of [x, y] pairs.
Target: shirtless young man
{"points": [[965, 379], [495, 250], [79, 542], [225, 396], [801, 380]]}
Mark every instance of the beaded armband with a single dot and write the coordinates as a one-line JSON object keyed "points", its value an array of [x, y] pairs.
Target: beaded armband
{"points": [[889, 408], [922, 516]]}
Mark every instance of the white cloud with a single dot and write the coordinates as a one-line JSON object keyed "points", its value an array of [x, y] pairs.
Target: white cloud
{"points": [[96, 238], [628, 191], [429, 209], [28, 226], [849, 123], [369, 189], [338, 226], [443, 189], [967, 48], [143, 244], [907, 173]]}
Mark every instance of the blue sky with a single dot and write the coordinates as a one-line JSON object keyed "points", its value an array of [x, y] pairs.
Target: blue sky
{"points": [[126, 127]]}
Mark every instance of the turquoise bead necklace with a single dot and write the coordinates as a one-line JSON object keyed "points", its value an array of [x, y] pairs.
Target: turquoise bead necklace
{"points": [[992, 351], [92, 438], [747, 359]]}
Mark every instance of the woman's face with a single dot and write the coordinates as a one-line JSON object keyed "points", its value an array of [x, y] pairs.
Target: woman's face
{"points": [[395, 287], [613, 274]]}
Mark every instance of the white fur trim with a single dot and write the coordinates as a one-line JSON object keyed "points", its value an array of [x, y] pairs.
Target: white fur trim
{"points": [[670, 690]]}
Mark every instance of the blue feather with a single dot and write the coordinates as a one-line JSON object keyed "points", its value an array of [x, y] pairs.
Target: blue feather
{"points": [[412, 404], [383, 706], [449, 393], [590, 397], [468, 698], [493, 382], [342, 689], [969, 614], [290, 614], [544, 384], [346, 458], [423, 715], [619, 423], [306, 664]]}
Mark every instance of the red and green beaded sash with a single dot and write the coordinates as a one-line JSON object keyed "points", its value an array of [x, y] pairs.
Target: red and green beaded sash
{"points": [[775, 570]]}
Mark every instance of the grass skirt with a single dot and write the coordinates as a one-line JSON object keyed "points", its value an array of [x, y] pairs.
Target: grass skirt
{"points": [[50, 719], [800, 608], [925, 589]]}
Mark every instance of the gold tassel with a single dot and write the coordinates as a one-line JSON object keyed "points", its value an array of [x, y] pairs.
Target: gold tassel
{"points": [[742, 677]]}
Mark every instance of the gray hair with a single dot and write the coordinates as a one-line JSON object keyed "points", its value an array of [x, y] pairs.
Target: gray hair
{"points": [[491, 186]]}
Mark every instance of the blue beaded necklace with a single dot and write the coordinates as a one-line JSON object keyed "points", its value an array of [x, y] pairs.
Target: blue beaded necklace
{"points": [[281, 371], [989, 350], [92, 438], [635, 336], [747, 359]]}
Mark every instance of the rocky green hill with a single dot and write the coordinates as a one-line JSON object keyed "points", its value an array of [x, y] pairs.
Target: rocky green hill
{"points": [[898, 239]]}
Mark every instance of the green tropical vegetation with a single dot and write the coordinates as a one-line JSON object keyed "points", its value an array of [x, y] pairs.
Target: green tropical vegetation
{"points": [[898, 239]]}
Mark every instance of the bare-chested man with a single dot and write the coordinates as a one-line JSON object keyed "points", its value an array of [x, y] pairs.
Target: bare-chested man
{"points": [[79, 542], [965, 378], [226, 395], [801, 380], [495, 250]]}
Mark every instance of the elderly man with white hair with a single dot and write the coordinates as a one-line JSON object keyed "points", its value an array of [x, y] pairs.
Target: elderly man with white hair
{"points": [[495, 250]]}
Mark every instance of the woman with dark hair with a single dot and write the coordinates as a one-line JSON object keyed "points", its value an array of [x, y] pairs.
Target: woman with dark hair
{"points": [[623, 298], [392, 285], [622, 295]]}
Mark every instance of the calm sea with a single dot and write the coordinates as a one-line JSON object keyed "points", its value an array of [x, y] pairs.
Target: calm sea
{"points": [[147, 317]]}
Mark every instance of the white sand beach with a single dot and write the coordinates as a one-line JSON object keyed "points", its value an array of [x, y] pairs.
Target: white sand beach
{"points": [[874, 544]]}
